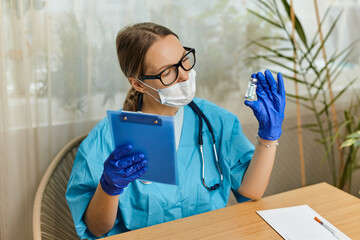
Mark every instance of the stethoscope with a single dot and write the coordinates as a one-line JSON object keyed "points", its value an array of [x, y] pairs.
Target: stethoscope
{"points": [[201, 117]]}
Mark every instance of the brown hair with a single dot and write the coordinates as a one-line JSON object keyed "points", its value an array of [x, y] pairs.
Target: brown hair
{"points": [[132, 44]]}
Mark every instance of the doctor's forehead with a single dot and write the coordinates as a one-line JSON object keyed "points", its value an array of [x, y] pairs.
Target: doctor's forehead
{"points": [[164, 52]]}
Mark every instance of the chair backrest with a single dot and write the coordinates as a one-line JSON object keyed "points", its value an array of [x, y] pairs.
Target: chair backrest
{"points": [[51, 215]]}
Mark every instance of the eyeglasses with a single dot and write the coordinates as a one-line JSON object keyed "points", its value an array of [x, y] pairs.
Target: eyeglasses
{"points": [[170, 74]]}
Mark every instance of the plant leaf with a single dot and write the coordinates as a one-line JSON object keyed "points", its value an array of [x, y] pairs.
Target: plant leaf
{"points": [[271, 56], [314, 40], [264, 6], [336, 97], [306, 125], [281, 65], [294, 79], [332, 138], [267, 6], [311, 61], [299, 29], [297, 97], [354, 135], [264, 18], [302, 104], [321, 23], [272, 38], [337, 74], [327, 35], [308, 52], [348, 143], [271, 50], [347, 48]]}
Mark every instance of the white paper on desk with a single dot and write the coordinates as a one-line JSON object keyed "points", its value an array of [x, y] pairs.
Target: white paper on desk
{"points": [[298, 223]]}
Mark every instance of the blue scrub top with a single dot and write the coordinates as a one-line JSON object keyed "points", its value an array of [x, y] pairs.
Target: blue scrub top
{"points": [[142, 205]]}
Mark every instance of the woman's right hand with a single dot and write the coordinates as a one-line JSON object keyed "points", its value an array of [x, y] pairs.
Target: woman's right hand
{"points": [[121, 169], [270, 105]]}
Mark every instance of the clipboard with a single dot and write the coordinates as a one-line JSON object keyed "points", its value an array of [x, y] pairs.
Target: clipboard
{"points": [[152, 135]]}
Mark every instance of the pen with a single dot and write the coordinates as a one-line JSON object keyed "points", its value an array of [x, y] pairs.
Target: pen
{"points": [[327, 227]]}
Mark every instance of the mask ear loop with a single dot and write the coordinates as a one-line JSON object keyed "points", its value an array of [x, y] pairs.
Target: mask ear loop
{"points": [[159, 101]]}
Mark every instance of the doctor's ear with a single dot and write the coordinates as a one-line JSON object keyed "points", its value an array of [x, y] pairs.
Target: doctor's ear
{"points": [[136, 85]]}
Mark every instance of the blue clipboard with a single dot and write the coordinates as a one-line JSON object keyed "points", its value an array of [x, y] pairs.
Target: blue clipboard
{"points": [[152, 135]]}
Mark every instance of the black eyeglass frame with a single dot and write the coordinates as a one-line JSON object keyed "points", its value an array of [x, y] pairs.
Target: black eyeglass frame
{"points": [[177, 65]]}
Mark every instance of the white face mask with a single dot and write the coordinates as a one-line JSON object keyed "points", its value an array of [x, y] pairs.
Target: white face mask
{"points": [[177, 95]]}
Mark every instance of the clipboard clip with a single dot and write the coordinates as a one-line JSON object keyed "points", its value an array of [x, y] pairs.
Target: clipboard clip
{"points": [[140, 118]]}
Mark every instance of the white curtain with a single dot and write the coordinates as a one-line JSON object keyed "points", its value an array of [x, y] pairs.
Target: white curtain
{"points": [[59, 73]]}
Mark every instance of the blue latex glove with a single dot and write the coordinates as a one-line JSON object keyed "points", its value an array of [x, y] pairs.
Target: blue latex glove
{"points": [[121, 169], [270, 105]]}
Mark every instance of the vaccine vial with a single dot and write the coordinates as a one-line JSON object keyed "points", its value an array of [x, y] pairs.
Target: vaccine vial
{"points": [[251, 90]]}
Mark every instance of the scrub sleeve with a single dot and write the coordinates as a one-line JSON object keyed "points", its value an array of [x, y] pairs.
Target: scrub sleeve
{"points": [[88, 165]]}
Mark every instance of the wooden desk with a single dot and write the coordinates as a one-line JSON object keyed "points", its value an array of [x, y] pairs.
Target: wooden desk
{"points": [[242, 222]]}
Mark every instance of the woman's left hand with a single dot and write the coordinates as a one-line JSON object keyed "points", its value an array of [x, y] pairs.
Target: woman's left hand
{"points": [[270, 105]]}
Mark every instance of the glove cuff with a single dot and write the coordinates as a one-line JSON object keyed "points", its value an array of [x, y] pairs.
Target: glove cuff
{"points": [[109, 189], [272, 136]]}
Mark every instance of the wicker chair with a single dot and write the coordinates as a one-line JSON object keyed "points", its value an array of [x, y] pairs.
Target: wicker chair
{"points": [[51, 215]]}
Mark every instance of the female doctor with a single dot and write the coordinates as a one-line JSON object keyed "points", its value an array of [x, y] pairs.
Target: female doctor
{"points": [[103, 193]]}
